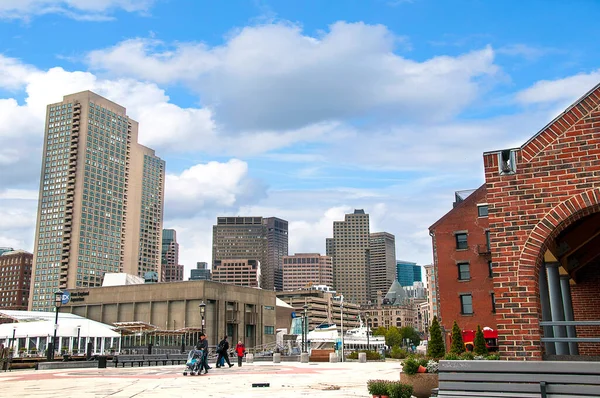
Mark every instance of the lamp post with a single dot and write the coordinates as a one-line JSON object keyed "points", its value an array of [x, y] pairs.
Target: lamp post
{"points": [[342, 322], [78, 334], [12, 342], [202, 309], [368, 331], [305, 328], [57, 303]]}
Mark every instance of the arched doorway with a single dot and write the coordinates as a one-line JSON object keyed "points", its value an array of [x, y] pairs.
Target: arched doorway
{"points": [[566, 278]]}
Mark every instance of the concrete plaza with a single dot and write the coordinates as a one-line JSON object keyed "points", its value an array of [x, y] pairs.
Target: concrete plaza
{"points": [[287, 379]]}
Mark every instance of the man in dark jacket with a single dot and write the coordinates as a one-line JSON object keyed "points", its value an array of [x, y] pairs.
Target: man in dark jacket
{"points": [[222, 351], [203, 345]]}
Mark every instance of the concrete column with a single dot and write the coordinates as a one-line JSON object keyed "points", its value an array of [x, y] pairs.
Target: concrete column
{"points": [[556, 306], [304, 357], [362, 357], [565, 289], [249, 358], [276, 357], [333, 357], [546, 312]]}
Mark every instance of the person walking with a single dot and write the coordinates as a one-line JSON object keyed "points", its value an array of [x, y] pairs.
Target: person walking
{"points": [[203, 345], [223, 354], [240, 350]]}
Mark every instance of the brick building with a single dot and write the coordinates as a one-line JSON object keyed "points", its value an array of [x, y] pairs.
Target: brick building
{"points": [[15, 279], [303, 270], [462, 263], [241, 272], [544, 212]]}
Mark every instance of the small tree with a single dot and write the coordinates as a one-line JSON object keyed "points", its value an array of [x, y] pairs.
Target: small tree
{"points": [[480, 347], [393, 337], [408, 332], [458, 345], [435, 345], [380, 331]]}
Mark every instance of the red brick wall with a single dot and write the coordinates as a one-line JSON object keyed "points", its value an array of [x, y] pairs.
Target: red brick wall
{"points": [[463, 217], [586, 307], [557, 182]]}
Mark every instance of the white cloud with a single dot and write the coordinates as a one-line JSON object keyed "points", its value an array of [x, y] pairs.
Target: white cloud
{"points": [[560, 91], [530, 53], [210, 187], [77, 9], [274, 77]]}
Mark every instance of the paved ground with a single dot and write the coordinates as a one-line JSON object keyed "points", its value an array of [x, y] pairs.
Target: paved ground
{"points": [[288, 379]]}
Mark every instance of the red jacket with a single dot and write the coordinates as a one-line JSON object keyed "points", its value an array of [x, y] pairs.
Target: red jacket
{"points": [[240, 350]]}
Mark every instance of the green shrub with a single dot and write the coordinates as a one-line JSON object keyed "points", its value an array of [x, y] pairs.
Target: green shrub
{"points": [[398, 353], [396, 389], [493, 357], [480, 347], [458, 345], [410, 366], [377, 387], [451, 357], [353, 355], [371, 355], [435, 345], [467, 356]]}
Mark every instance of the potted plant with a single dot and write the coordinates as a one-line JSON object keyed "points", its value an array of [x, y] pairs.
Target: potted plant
{"points": [[398, 389], [421, 375], [22, 351], [377, 388]]}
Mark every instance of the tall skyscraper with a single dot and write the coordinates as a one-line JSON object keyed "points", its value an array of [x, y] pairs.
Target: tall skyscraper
{"points": [[417, 273], [351, 257], [253, 238], [277, 247], [101, 199], [406, 272], [382, 271], [172, 271]]}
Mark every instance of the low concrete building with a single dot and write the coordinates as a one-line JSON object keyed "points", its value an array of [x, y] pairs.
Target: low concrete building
{"points": [[242, 313]]}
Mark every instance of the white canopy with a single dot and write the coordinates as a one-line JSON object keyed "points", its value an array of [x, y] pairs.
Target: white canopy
{"points": [[32, 324]]}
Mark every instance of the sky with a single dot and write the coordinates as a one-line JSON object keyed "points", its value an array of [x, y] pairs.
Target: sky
{"points": [[303, 110]]}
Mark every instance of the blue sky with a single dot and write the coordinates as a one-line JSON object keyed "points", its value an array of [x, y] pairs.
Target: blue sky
{"points": [[297, 109]]}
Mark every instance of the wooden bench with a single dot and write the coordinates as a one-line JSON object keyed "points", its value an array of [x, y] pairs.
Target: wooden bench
{"points": [[156, 358], [5, 359], [320, 355], [539, 379], [177, 358], [125, 359]]}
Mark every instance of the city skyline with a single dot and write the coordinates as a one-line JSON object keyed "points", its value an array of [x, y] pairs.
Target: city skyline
{"points": [[312, 134]]}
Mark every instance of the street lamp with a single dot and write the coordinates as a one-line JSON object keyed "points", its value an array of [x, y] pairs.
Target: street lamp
{"points": [[78, 334], [342, 317], [57, 303], [305, 328], [367, 322], [202, 309]]}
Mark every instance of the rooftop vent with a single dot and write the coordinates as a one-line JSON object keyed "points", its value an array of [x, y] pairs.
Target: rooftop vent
{"points": [[507, 162]]}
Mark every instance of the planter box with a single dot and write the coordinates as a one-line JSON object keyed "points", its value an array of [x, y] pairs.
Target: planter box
{"points": [[422, 383]]}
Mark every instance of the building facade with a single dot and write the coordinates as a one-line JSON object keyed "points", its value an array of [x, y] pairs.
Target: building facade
{"points": [[323, 307], [350, 251], [303, 270], [171, 268], [406, 272], [201, 273], [242, 313], [100, 201], [15, 279], [417, 273], [252, 238], [382, 269], [240, 272], [432, 300], [544, 212], [462, 264]]}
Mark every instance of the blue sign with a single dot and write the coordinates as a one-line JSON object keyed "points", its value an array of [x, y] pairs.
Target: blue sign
{"points": [[294, 315], [66, 297]]}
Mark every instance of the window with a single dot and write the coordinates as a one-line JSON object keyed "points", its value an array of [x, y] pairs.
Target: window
{"points": [[482, 210], [269, 329], [490, 270], [466, 304], [487, 240], [461, 241], [493, 297], [463, 272]]}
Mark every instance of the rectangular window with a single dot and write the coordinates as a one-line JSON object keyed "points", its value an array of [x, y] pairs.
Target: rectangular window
{"points": [[463, 272], [269, 329], [490, 270], [466, 304], [493, 297], [461, 241], [487, 240], [482, 210]]}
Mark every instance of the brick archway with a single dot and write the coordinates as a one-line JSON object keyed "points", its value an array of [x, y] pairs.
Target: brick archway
{"points": [[525, 293]]}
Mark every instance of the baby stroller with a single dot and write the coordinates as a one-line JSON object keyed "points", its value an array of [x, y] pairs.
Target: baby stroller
{"points": [[193, 362]]}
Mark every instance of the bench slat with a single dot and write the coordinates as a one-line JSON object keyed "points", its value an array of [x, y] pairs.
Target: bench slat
{"points": [[521, 377], [492, 387], [461, 394], [575, 367]]}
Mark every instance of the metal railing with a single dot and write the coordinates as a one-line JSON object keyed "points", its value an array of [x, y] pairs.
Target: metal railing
{"points": [[570, 339]]}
